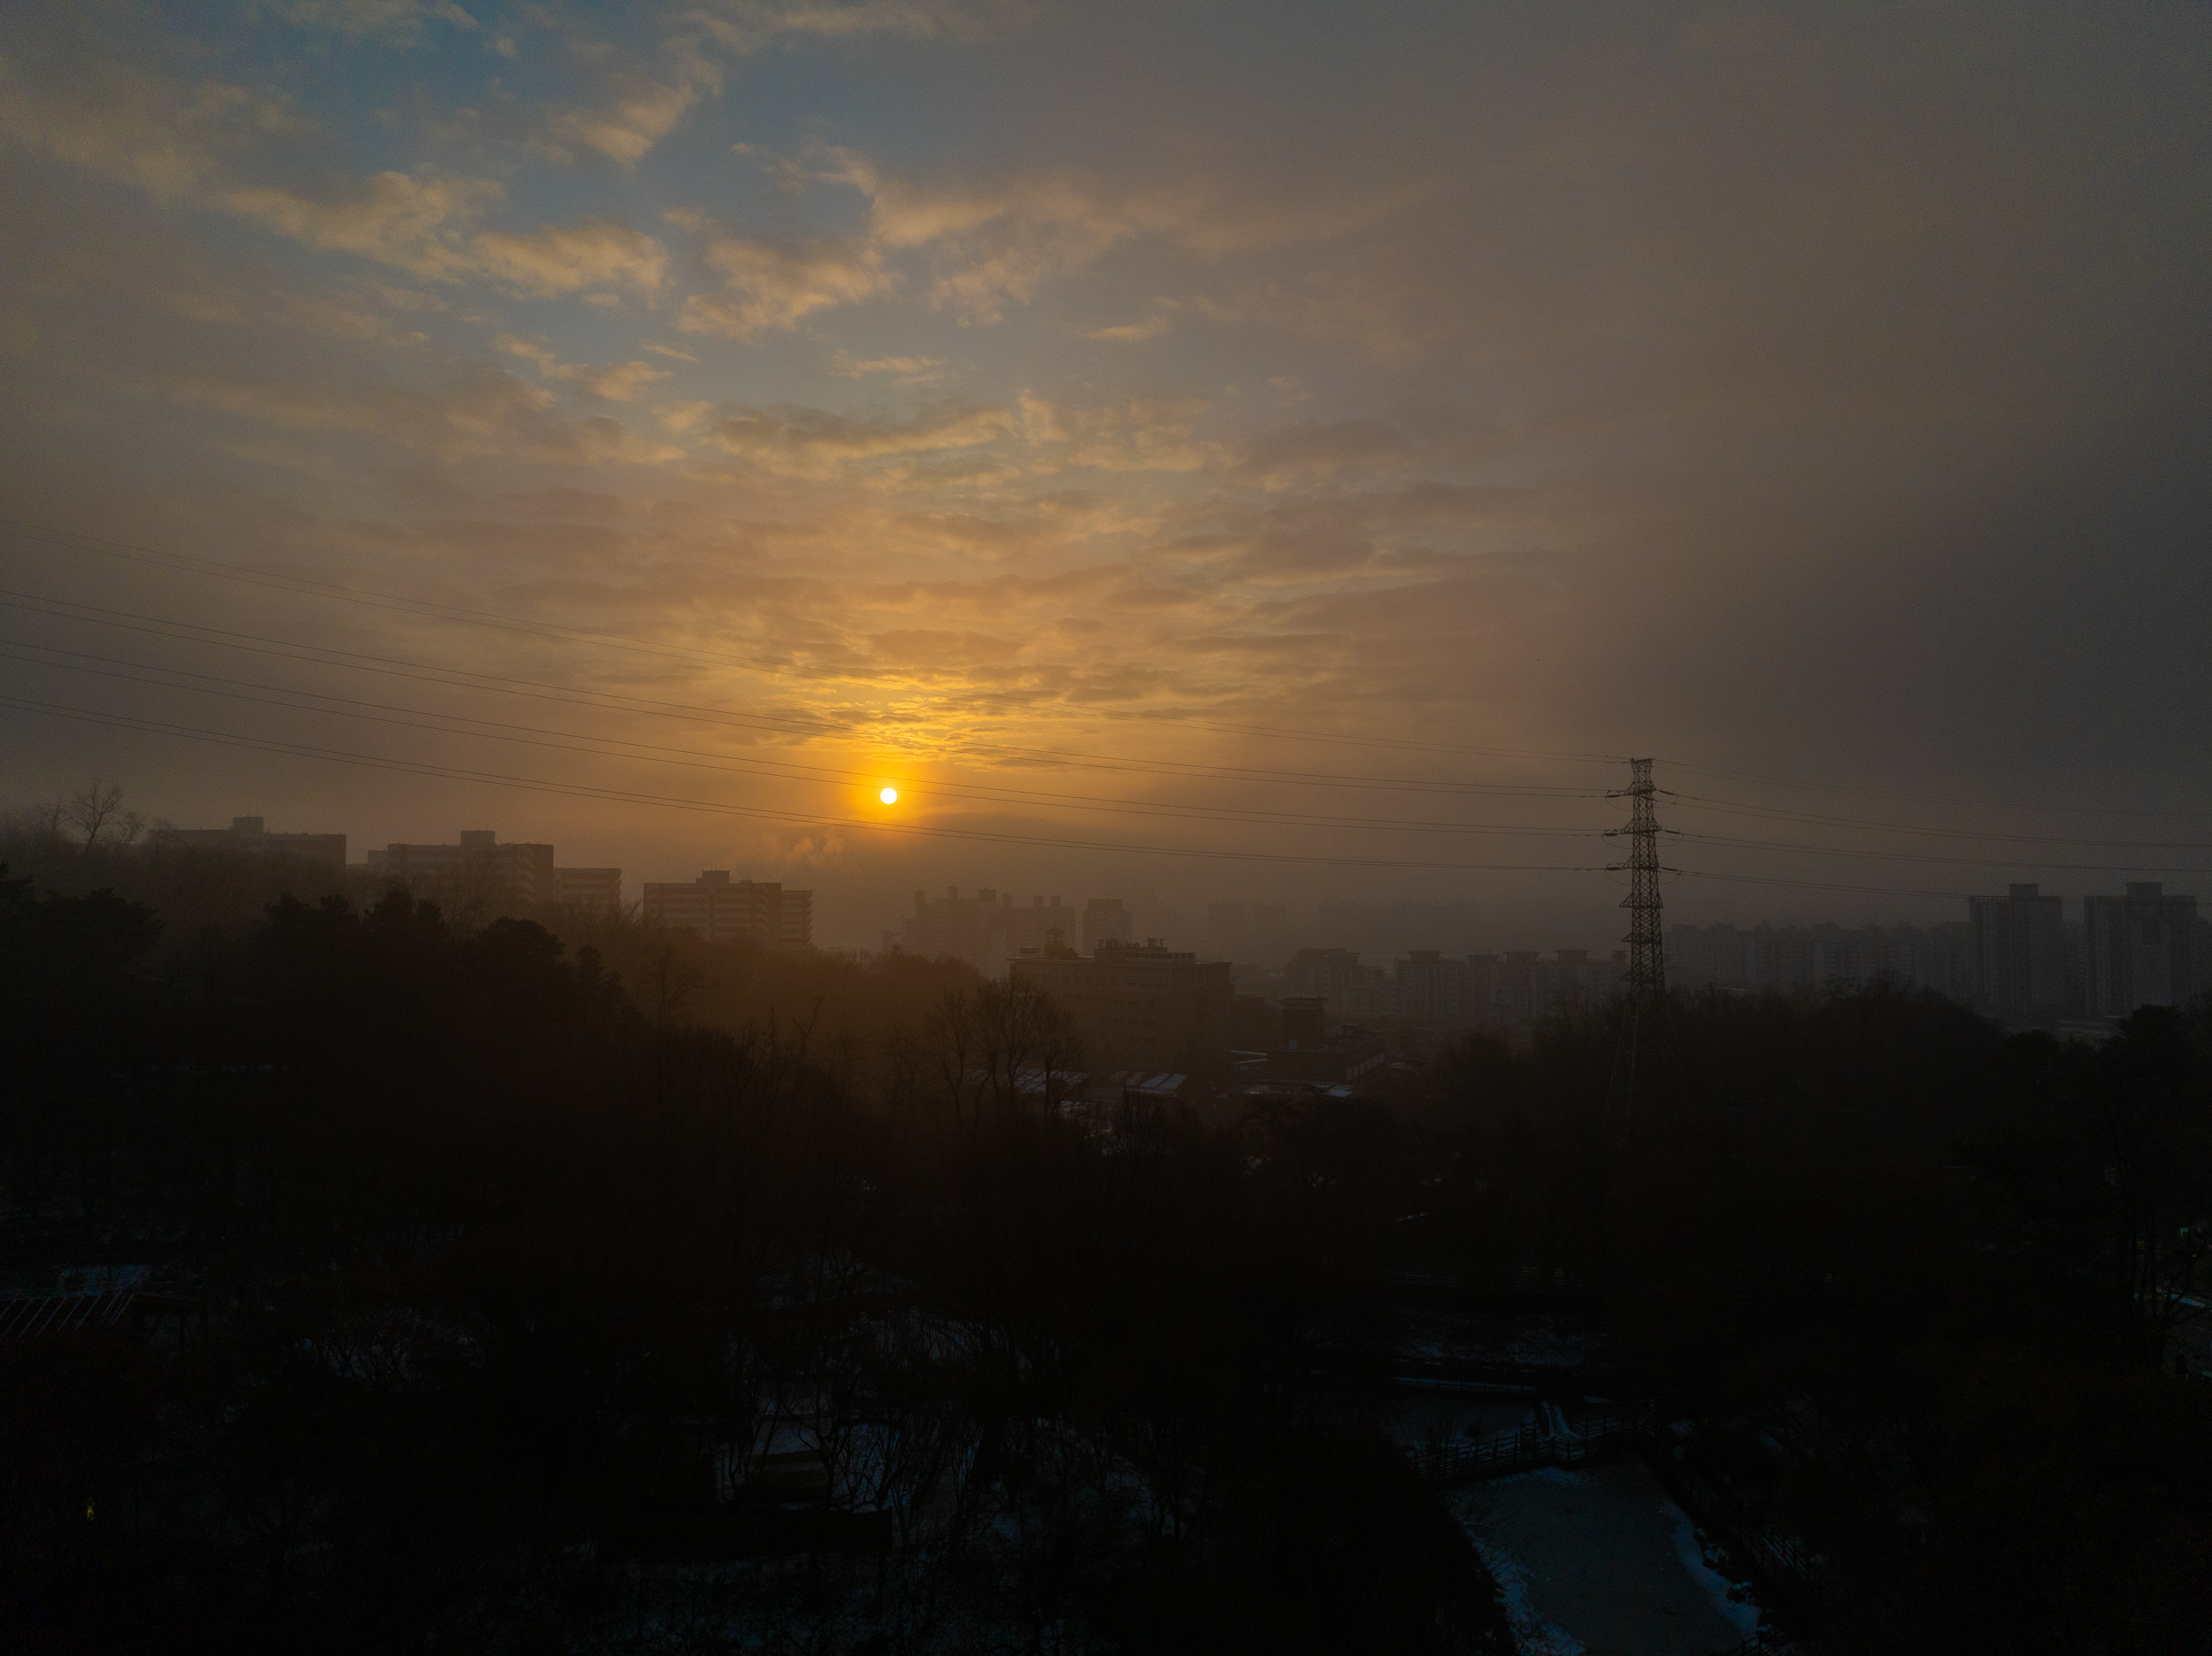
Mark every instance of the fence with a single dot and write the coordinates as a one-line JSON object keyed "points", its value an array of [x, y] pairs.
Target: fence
{"points": [[1600, 1438]]}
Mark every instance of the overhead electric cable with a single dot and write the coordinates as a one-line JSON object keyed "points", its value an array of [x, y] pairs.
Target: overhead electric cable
{"points": [[1930, 856], [1869, 891], [627, 796], [283, 697], [52, 536], [459, 677], [283, 581], [1931, 799], [1736, 809]]}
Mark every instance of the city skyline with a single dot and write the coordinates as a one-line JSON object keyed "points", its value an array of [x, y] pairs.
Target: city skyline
{"points": [[2018, 956], [681, 425]]}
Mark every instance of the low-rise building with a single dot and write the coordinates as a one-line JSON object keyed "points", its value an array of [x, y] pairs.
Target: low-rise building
{"points": [[248, 834], [1314, 1051]]}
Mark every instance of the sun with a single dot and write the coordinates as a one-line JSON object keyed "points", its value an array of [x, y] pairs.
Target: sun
{"points": [[889, 796]]}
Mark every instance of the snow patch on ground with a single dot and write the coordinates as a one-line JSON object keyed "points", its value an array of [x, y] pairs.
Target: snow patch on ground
{"points": [[1534, 1635], [1741, 1613]]}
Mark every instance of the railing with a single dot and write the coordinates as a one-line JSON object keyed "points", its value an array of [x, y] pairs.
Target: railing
{"points": [[1600, 1438], [1519, 1451], [1761, 1644]]}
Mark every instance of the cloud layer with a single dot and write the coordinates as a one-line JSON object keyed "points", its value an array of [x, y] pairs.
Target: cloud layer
{"points": [[1811, 397]]}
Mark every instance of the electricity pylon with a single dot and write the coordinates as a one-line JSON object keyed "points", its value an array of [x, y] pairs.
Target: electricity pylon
{"points": [[1644, 1025]]}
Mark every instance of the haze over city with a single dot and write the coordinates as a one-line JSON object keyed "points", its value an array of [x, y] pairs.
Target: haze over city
{"points": [[908, 826], [1491, 392]]}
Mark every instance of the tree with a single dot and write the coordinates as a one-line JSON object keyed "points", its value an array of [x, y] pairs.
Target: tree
{"points": [[996, 1041], [97, 811], [2148, 1098]]}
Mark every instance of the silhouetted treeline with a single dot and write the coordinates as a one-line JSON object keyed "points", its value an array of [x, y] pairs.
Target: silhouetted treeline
{"points": [[537, 1296], [520, 1300], [1915, 1281]]}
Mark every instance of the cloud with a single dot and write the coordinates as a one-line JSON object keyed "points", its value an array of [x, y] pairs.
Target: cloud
{"points": [[1130, 333], [199, 145], [981, 247], [643, 99], [598, 439], [560, 258], [483, 412], [902, 371], [1316, 452], [751, 25], [772, 288], [1681, 406], [167, 140], [639, 111], [617, 383], [682, 417], [1040, 420], [991, 243], [343, 315], [811, 442], [395, 22], [1134, 435], [396, 218]]}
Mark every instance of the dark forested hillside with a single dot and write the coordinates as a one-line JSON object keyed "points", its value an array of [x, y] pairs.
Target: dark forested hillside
{"points": [[492, 1295]]}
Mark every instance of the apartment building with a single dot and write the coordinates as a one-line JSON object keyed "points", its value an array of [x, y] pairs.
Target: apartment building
{"points": [[724, 910], [478, 869], [1141, 1006]]}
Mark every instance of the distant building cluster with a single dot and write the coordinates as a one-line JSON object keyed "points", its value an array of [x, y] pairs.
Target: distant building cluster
{"points": [[481, 870], [479, 867], [2015, 958], [1758, 959], [990, 929], [1476, 990]]}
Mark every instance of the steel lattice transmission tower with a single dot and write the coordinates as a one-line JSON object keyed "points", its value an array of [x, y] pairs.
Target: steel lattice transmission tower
{"points": [[1646, 980], [1644, 988]]}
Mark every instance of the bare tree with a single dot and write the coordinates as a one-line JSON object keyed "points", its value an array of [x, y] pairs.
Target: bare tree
{"points": [[999, 1042], [97, 812], [670, 980]]}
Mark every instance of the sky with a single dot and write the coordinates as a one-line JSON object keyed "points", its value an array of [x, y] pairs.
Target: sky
{"points": [[1207, 450]]}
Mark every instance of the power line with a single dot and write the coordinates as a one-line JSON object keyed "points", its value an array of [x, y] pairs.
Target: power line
{"points": [[780, 770], [611, 746], [1931, 799], [815, 726], [456, 678], [284, 581], [260, 744], [1873, 890], [1736, 808], [1956, 862]]}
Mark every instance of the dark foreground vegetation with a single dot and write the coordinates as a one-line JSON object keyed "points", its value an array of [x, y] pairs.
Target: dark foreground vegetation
{"points": [[536, 1287]]}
